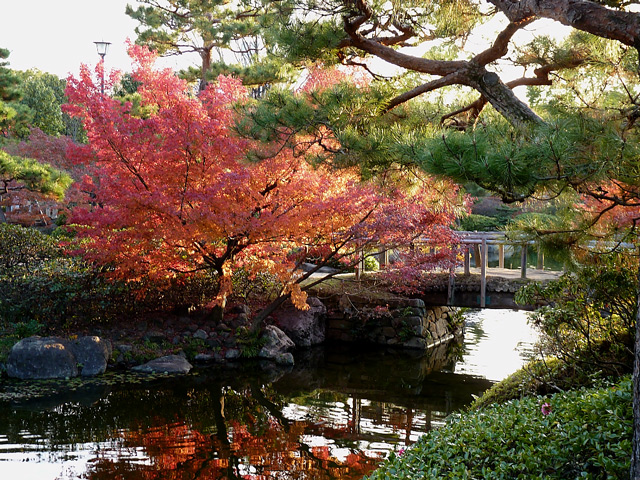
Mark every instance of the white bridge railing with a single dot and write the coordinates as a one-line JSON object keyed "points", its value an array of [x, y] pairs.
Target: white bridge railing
{"points": [[477, 244]]}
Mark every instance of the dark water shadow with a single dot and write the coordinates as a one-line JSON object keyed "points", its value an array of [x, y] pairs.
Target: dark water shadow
{"points": [[333, 415]]}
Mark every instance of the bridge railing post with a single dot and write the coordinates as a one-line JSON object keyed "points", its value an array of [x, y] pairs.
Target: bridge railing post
{"points": [[467, 260], [476, 256], [383, 257], [483, 273]]}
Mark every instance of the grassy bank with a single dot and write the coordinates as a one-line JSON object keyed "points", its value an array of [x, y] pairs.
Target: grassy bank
{"points": [[586, 434]]}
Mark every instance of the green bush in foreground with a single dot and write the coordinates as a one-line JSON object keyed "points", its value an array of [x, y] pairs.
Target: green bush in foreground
{"points": [[538, 377], [586, 435]]}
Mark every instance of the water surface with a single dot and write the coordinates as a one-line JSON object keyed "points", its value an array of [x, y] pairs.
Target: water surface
{"points": [[336, 414]]}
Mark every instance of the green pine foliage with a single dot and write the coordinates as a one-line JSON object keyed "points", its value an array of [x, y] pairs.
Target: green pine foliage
{"points": [[33, 175]]}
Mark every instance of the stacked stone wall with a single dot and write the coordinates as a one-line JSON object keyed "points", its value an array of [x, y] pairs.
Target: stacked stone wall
{"points": [[403, 323]]}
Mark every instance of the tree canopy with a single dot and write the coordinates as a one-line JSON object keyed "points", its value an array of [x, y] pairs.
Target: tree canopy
{"points": [[232, 31], [171, 192]]}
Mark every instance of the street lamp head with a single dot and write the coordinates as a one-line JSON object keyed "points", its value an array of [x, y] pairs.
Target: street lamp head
{"points": [[102, 47]]}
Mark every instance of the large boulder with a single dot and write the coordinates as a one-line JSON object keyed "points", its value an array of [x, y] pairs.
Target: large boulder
{"points": [[54, 357], [304, 327], [92, 355], [42, 357], [167, 364], [276, 346]]}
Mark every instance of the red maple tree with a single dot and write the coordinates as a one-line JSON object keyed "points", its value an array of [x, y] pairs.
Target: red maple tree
{"points": [[171, 192]]}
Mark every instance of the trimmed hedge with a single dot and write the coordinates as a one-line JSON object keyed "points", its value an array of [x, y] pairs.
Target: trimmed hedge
{"points": [[587, 435]]}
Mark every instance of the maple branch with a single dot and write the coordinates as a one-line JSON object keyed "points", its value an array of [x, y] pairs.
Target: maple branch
{"points": [[186, 183], [127, 164]]}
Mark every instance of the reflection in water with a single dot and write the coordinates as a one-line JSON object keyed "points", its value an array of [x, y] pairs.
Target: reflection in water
{"points": [[497, 343], [336, 414]]}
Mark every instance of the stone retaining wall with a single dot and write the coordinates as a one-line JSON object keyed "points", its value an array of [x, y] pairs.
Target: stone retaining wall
{"points": [[404, 322]]}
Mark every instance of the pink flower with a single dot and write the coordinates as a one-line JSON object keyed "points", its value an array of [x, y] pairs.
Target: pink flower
{"points": [[545, 409], [401, 451]]}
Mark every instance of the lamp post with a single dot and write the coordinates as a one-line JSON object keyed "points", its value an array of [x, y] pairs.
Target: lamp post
{"points": [[103, 48]]}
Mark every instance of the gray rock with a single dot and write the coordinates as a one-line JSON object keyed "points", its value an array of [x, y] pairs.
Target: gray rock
{"points": [[416, 342], [42, 357], [167, 364], [201, 334], [304, 327], [284, 359], [442, 328], [241, 308], [239, 321], [232, 354], [156, 337], [276, 343], [204, 358], [414, 302], [92, 355]]}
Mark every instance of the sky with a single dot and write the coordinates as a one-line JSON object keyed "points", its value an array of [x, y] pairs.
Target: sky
{"points": [[56, 36]]}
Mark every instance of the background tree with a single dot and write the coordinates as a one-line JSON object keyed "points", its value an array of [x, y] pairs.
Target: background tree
{"points": [[13, 118], [230, 30], [19, 175], [43, 94], [172, 193]]}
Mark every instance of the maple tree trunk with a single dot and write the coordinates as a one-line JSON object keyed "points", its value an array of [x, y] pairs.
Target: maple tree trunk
{"points": [[259, 319], [217, 312], [218, 413], [635, 449]]}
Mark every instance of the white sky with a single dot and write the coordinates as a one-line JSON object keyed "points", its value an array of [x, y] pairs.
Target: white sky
{"points": [[56, 36]]}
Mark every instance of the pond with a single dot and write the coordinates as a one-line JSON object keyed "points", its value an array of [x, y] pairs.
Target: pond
{"points": [[335, 415]]}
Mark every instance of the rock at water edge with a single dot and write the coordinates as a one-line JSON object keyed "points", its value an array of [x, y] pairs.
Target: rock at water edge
{"points": [[167, 364], [304, 327], [41, 358], [92, 355]]}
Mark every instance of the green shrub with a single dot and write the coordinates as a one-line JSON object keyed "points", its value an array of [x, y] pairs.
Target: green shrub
{"points": [[588, 317], [479, 223], [67, 291], [24, 249], [28, 329], [587, 435], [538, 377], [259, 286], [371, 264]]}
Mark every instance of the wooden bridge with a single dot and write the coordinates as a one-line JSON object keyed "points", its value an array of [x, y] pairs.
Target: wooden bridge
{"points": [[478, 243], [481, 286]]}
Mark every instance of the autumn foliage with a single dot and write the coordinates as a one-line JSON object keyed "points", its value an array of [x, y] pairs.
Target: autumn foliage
{"points": [[170, 191]]}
